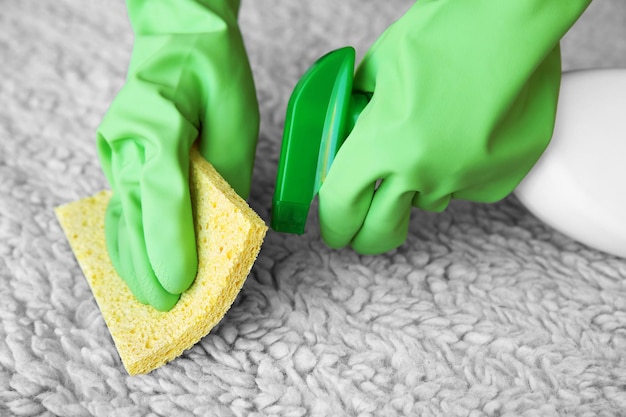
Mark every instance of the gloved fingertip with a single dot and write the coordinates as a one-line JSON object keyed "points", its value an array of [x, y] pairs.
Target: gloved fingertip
{"points": [[127, 273], [341, 217], [375, 245], [162, 301], [138, 294], [386, 226], [334, 239], [177, 272], [152, 293]]}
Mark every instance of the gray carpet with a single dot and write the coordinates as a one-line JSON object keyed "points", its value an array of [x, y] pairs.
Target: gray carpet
{"points": [[484, 311]]}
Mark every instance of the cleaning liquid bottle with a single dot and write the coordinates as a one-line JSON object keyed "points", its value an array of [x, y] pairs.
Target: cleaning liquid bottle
{"points": [[576, 186]]}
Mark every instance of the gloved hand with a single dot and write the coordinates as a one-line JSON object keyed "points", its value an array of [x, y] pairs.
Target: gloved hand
{"points": [[189, 78], [464, 102]]}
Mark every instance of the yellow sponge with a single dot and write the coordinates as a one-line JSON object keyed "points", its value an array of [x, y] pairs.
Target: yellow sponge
{"points": [[229, 235]]}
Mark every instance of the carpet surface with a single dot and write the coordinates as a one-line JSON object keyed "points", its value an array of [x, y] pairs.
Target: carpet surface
{"points": [[485, 311]]}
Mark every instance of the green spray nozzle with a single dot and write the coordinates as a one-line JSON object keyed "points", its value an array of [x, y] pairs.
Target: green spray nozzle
{"points": [[321, 112]]}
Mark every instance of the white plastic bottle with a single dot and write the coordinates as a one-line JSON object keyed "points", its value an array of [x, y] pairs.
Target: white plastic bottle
{"points": [[579, 184]]}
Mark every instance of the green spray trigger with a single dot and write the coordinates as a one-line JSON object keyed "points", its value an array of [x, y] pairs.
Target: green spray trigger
{"points": [[321, 113]]}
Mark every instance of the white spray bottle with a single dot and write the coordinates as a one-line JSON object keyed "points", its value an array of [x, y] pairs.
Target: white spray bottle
{"points": [[578, 186]]}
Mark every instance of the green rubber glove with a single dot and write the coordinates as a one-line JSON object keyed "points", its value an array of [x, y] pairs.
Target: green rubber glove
{"points": [[464, 102], [189, 78]]}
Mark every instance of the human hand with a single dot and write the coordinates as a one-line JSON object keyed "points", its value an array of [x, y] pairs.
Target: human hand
{"points": [[464, 101], [189, 78]]}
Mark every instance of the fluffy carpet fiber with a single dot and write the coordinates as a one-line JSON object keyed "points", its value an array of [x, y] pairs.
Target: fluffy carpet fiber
{"points": [[485, 311]]}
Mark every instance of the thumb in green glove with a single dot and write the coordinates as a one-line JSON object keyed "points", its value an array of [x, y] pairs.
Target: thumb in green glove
{"points": [[189, 79], [464, 102]]}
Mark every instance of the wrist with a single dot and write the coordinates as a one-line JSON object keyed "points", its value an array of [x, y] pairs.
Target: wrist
{"points": [[154, 17]]}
